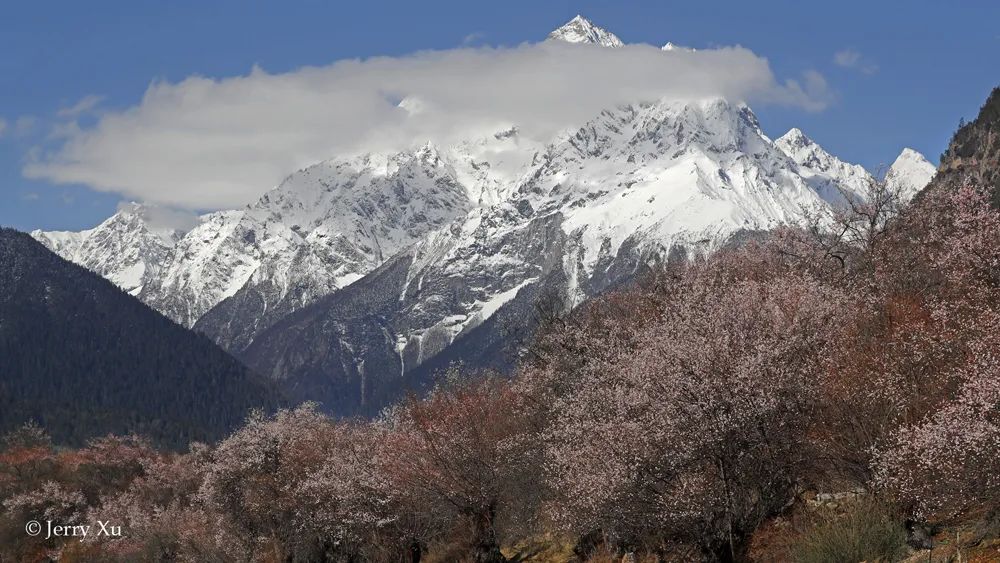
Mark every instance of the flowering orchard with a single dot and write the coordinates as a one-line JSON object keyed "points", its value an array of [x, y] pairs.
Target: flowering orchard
{"points": [[672, 419]]}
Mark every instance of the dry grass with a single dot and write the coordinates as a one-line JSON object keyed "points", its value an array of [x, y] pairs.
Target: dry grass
{"points": [[864, 531]]}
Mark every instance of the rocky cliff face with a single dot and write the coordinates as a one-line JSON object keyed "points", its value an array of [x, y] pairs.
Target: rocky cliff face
{"points": [[973, 156]]}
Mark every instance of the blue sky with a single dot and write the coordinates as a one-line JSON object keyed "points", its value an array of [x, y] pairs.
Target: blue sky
{"points": [[906, 71]]}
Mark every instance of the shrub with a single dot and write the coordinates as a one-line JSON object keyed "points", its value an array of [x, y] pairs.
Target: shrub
{"points": [[867, 532]]}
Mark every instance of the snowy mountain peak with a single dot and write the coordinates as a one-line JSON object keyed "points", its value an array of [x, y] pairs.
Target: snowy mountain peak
{"points": [[167, 224], [806, 152], [910, 155], [412, 105], [795, 138], [582, 30], [128, 248], [669, 46], [830, 177], [132, 208], [429, 154], [910, 172]]}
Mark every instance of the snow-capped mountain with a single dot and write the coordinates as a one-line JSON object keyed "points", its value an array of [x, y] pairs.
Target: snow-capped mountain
{"points": [[363, 268], [825, 173], [669, 46], [126, 248], [636, 182], [331, 224], [321, 229], [633, 186], [581, 30], [318, 231], [910, 173]]}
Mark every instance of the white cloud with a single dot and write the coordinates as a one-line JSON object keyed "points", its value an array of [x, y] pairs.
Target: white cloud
{"points": [[164, 219], [812, 92], [21, 126], [86, 104], [849, 58], [472, 38], [203, 143]]}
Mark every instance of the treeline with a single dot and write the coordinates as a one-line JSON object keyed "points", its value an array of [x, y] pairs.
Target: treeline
{"points": [[669, 422]]}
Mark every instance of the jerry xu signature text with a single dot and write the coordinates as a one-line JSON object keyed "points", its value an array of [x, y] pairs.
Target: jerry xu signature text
{"points": [[50, 529]]}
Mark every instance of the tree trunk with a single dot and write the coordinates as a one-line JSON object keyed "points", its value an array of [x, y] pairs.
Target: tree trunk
{"points": [[487, 548], [729, 511], [416, 552]]}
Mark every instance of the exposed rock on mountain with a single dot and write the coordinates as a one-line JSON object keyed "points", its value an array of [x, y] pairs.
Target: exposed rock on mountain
{"points": [[973, 156]]}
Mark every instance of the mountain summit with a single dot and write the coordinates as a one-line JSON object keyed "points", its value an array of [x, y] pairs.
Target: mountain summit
{"points": [[582, 30], [910, 173], [128, 248]]}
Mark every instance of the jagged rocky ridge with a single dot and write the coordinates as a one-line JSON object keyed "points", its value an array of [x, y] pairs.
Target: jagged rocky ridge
{"points": [[357, 276]]}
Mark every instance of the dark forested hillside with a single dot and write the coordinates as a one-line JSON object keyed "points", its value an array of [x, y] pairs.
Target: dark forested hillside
{"points": [[83, 358]]}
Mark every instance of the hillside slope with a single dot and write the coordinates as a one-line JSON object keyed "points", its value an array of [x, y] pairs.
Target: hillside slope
{"points": [[83, 358]]}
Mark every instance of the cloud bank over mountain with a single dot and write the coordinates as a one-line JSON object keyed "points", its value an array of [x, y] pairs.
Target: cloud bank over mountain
{"points": [[206, 143]]}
